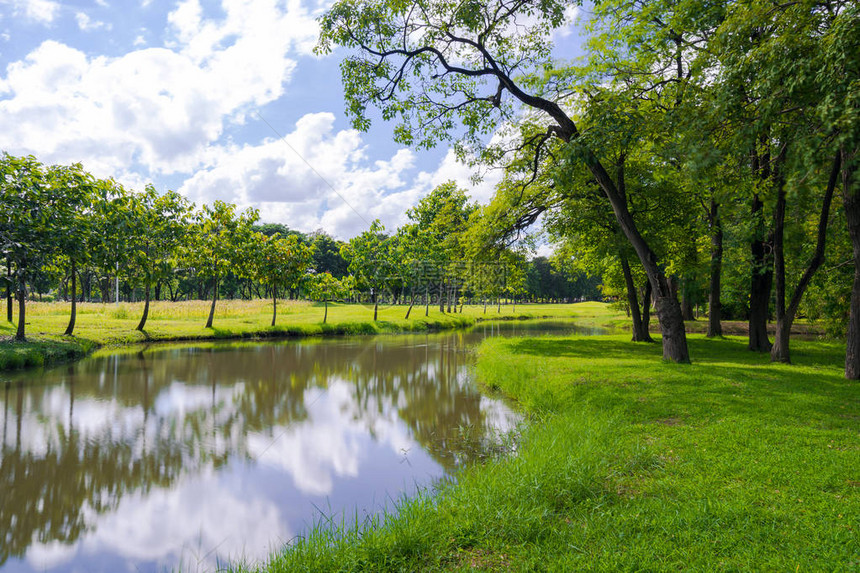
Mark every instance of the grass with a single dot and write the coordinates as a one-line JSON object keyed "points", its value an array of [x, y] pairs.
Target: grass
{"points": [[114, 325], [630, 463]]}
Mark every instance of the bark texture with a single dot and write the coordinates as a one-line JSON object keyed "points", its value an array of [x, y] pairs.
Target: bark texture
{"points": [[851, 202], [715, 327], [760, 283]]}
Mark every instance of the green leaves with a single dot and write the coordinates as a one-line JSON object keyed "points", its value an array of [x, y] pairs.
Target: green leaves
{"points": [[281, 262]]}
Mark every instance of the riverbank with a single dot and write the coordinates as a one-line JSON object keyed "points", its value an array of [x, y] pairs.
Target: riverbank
{"points": [[101, 325], [630, 463]]}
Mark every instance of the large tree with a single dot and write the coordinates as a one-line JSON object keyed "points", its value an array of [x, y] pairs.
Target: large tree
{"points": [[437, 66]]}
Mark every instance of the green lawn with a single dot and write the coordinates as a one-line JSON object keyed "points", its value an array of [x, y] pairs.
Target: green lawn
{"points": [[110, 324], [630, 463]]}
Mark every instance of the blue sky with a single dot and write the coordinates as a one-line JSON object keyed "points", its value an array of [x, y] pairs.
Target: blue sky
{"points": [[189, 95]]}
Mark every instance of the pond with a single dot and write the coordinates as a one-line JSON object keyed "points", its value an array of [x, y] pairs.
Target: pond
{"points": [[187, 456]]}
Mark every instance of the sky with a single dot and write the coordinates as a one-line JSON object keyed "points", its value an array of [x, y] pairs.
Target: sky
{"points": [[217, 100]]}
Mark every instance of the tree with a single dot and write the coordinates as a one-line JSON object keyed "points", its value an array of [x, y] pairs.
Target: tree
{"points": [[433, 240], [369, 262], [73, 222], [112, 229], [28, 211], [281, 262], [325, 287], [787, 82], [433, 66], [160, 223], [218, 243]]}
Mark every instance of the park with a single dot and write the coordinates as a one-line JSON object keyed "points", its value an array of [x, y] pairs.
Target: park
{"points": [[639, 350]]}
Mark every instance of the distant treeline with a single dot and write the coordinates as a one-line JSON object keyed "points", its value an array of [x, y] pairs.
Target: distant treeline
{"points": [[68, 235]]}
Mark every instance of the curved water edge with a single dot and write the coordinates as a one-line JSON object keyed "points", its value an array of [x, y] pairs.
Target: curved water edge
{"points": [[184, 456]]}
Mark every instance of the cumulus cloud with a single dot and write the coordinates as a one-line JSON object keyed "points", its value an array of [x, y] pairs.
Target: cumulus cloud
{"points": [[317, 177], [159, 108]]}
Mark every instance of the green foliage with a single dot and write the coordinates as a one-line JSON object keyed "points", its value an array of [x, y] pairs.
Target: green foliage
{"points": [[281, 261], [218, 241], [325, 287]]}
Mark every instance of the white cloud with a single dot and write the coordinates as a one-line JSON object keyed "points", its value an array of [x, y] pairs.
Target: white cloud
{"points": [[41, 11], [87, 24], [319, 177], [160, 108], [450, 169], [315, 177], [571, 18]]}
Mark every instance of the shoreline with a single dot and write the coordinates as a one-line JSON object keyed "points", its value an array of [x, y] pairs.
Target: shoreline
{"points": [[41, 350], [635, 463]]}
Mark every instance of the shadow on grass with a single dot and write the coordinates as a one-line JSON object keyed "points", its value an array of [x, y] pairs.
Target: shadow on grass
{"points": [[725, 379]]}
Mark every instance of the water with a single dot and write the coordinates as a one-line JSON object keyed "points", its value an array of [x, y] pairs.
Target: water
{"points": [[187, 456]]}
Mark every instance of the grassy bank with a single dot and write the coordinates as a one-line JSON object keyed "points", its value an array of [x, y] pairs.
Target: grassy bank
{"points": [[111, 325], [629, 463]]}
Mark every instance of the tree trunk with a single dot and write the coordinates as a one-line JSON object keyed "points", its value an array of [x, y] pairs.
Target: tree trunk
{"points": [[674, 336], [212, 308], [142, 324], [639, 335], [274, 303], [70, 329], [427, 300], [646, 312], [686, 302], [375, 307], [851, 202], [780, 350], [411, 304], [715, 327], [22, 313], [760, 283], [325, 316]]}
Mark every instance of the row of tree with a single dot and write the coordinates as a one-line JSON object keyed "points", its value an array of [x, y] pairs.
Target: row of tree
{"points": [[692, 132], [59, 224]]}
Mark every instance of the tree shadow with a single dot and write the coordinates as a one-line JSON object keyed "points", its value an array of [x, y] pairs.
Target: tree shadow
{"points": [[725, 379]]}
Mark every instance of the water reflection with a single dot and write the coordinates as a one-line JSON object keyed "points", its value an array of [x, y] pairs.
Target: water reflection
{"points": [[186, 455]]}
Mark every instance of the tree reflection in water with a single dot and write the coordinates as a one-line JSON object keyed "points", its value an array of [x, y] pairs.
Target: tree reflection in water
{"points": [[79, 439]]}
